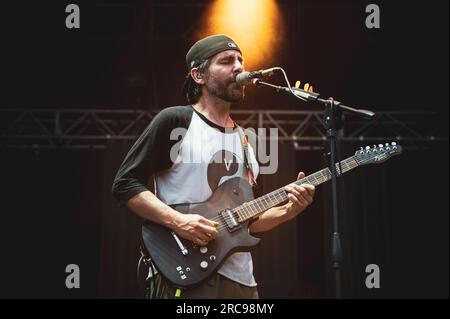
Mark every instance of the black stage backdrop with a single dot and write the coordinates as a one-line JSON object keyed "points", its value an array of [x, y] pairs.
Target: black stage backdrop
{"points": [[57, 210], [56, 203]]}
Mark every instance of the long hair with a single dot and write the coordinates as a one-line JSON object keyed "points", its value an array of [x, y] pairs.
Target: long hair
{"points": [[191, 90]]}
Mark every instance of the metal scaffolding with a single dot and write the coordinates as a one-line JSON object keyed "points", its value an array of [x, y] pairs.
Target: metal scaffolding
{"points": [[94, 128]]}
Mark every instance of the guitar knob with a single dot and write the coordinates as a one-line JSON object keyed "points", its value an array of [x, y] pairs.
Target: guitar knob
{"points": [[212, 257], [203, 250], [204, 264]]}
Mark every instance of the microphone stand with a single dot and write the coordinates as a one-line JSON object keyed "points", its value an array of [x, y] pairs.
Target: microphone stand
{"points": [[332, 122]]}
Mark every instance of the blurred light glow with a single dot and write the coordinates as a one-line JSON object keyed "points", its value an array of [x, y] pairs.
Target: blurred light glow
{"points": [[256, 26]]}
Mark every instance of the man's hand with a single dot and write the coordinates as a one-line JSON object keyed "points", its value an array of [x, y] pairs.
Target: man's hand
{"points": [[196, 228], [300, 197]]}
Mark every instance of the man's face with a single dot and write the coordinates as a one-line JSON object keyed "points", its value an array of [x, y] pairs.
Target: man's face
{"points": [[221, 74]]}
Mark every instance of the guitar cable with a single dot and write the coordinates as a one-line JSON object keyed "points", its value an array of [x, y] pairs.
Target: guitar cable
{"points": [[151, 288], [144, 275]]}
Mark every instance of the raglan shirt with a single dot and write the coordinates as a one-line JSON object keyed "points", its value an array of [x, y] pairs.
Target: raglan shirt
{"points": [[188, 157]]}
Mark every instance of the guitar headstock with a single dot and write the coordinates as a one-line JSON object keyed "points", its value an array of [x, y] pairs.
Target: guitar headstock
{"points": [[377, 154]]}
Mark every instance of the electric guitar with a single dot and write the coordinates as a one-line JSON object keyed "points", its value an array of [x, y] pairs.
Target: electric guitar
{"points": [[232, 205]]}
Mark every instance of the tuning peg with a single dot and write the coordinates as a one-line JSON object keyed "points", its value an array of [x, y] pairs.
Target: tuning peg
{"points": [[374, 147], [297, 84], [380, 145], [393, 143]]}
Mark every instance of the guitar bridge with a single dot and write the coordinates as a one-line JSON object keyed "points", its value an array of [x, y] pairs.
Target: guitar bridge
{"points": [[230, 220]]}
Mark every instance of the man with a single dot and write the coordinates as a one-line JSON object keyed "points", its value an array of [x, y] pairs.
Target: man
{"points": [[191, 169]]}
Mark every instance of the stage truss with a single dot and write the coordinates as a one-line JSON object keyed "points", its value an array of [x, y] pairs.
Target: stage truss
{"points": [[95, 128]]}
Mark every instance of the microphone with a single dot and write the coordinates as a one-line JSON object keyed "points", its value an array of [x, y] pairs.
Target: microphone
{"points": [[244, 78]]}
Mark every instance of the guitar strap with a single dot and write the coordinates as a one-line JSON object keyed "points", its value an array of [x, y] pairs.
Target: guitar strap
{"points": [[248, 164]]}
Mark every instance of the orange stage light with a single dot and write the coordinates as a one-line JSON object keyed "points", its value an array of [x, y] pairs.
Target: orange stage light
{"points": [[254, 24]]}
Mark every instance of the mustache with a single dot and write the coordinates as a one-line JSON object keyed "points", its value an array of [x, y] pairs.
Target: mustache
{"points": [[232, 79]]}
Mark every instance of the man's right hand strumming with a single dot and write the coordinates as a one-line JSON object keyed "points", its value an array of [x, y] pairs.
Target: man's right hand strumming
{"points": [[195, 228]]}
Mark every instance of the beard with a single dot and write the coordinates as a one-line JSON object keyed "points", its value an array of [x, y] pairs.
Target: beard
{"points": [[226, 90]]}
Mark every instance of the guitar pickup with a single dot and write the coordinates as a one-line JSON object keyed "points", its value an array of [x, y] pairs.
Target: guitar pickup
{"points": [[230, 220]]}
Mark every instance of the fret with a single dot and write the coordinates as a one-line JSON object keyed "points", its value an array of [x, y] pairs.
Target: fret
{"points": [[323, 174], [282, 196], [245, 211], [267, 204], [253, 207], [274, 196], [269, 199], [315, 179], [241, 213], [261, 204], [258, 207], [258, 204]]}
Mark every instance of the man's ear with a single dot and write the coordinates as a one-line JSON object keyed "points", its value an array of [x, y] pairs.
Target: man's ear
{"points": [[197, 76]]}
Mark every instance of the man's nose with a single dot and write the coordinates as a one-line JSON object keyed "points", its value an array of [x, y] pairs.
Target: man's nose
{"points": [[238, 67]]}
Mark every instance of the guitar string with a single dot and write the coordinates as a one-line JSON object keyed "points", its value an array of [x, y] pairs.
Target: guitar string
{"points": [[227, 219], [346, 164], [350, 164], [280, 192]]}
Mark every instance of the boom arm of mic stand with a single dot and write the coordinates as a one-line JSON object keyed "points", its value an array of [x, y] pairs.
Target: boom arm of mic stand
{"points": [[315, 97]]}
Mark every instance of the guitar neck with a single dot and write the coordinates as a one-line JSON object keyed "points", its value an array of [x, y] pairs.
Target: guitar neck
{"points": [[259, 205]]}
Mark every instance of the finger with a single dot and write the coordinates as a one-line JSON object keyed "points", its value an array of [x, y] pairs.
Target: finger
{"points": [[301, 192], [209, 222], [308, 198], [202, 237], [294, 200], [291, 189], [300, 175], [207, 229], [311, 189], [305, 193], [200, 242]]}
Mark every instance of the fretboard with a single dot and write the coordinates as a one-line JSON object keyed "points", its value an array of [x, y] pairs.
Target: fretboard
{"points": [[259, 205]]}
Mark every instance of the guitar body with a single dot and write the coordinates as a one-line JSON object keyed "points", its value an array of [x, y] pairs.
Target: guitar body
{"points": [[186, 265], [197, 264]]}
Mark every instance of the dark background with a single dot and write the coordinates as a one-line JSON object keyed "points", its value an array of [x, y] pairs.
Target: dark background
{"points": [[57, 208]]}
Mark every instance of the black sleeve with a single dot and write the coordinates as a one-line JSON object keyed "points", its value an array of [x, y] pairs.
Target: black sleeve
{"points": [[150, 153]]}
